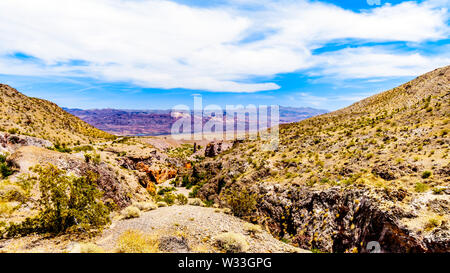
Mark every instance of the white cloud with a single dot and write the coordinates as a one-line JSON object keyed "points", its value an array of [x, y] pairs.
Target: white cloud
{"points": [[373, 62], [162, 44]]}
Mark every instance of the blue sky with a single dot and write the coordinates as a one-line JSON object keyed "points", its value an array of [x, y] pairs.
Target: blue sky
{"points": [[155, 54]]}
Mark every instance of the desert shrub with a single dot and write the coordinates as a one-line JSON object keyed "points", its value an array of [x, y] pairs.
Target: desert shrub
{"points": [[196, 202], [181, 199], [194, 179], [5, 170], [252, 228], [146, 206], [84, 148], [209, 203], [94, 158], [161, 204], [13, 131], [10, 192], [231, 242], [91, 248], [432, 223], [421, 187], [26, 182], [241, 201], [169, 198], [67, 203], [6, 208], [61, 148], [316, 250], [426, 174], [134, 241], [165, 190], [194, 191], [185, 181], [131, 212], [438, 190]]}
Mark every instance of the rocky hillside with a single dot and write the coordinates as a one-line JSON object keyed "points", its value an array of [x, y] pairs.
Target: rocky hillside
{"points": [[34, 117], [378, 170]]}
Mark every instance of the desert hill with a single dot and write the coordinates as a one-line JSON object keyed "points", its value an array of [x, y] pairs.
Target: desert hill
{"points": [[377, 170], [23, 115]]}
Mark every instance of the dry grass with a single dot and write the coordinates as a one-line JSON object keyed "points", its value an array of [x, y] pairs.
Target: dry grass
{"points": [[91, 248], [231, 242], [252, 229], [133, 241], [131, 212]]}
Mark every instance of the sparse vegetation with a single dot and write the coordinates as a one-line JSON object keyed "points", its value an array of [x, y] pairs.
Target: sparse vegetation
{"points": [[252, 229], [133, 241], [67, 203], [426, 174], [232, 242], [131, 212], [181, 199], [145, 206], [20, 114], [91, 248], [421, 187]]}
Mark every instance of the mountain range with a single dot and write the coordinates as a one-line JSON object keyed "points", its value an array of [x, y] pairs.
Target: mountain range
{"points": [[159, 122]]}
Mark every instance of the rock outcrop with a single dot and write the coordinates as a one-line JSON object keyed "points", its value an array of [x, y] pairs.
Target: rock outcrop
{"points": [[343, 220], [108, 182], [11, 142]]}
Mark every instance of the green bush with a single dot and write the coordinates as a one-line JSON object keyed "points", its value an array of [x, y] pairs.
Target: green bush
{"points": [[169, 198], [194, 191], [67, 203], [241, 201], [84, 148], [5, 170], [94, 158], [421, 187], [181, 199], [13, 131], [426, 174], [62, 149], [165, 190]]}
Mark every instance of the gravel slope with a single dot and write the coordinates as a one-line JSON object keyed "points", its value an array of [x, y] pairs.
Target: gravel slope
{"points": [[198, 225]]}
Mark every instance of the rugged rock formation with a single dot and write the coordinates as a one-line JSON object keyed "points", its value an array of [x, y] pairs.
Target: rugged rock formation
{"points": [[343, 220], [156, 175], [11, 142], [215, 148]]}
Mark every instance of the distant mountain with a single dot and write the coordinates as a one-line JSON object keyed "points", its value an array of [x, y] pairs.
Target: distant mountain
{"points": [[40, 118], [159, 122]]}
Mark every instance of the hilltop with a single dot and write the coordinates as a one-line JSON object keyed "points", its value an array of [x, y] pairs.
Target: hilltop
{"points": [[35, 117], [377, 170]]}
